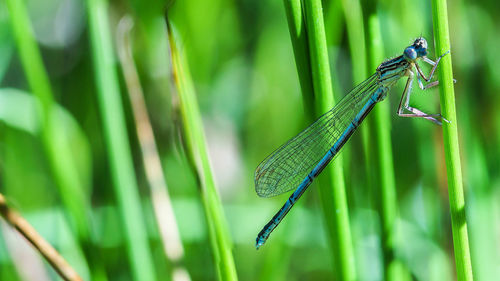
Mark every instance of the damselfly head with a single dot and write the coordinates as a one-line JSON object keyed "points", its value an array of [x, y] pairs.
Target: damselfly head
{"points": [[417, 50], [420, 45]]}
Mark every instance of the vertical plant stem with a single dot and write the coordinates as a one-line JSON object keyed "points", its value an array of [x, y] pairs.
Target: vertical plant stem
{"points": [[382, 140], [334, 24], [332, 192], [357, 46], [64, 171], [356, 35], [384, 163], [118, 147], [162, 205], [450, 142], [197, 150], [298, 35]]}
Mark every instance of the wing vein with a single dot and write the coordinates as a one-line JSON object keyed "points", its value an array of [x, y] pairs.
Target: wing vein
{"points": [[288, 165]]}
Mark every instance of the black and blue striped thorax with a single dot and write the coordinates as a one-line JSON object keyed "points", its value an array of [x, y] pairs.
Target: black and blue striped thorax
{"points": [[391, 70]]}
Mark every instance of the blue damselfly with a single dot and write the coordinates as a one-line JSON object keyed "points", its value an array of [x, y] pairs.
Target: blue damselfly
{"points": [[299, 161]]}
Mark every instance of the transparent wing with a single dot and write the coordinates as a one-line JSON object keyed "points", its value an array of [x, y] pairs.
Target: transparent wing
{"points": [[286, 167]]}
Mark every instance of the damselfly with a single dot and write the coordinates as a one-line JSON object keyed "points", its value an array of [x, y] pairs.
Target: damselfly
{"points": [[299, 161]]}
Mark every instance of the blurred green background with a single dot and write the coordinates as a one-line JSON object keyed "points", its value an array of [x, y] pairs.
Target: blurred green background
{"points": [[76, 172]]}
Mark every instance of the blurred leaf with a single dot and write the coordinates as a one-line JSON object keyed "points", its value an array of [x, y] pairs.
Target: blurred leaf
{"points": [[20, 110], [424, 257]]}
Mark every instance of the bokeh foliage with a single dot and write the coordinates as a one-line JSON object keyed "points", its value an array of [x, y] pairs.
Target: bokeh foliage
{"points": [[58, 170]]}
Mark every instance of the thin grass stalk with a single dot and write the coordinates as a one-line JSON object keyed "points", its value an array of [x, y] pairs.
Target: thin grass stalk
{"points": [[55, 143], [64, 171], [356, 35], [300, 44], [357, 46], [384, 166], [196, 147], [332, 191], [118, 147], [481, 197], [334, 24], [162, 205], [54, 258], [450, 142], [298, 35]]}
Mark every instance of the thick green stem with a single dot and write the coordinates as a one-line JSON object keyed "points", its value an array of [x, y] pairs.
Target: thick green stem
{"points": [[450, 142], [332, 191], [383, 163], [357, 47]]}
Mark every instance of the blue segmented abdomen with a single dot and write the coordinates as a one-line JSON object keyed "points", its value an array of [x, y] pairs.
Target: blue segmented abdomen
{"points": [[330, 154]]}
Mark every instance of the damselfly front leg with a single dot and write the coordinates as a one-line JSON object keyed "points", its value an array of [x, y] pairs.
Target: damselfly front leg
{"points": [[420, 74], [434, 66]]}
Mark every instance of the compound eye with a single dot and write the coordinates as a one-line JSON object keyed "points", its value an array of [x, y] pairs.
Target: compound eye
{"points": [[410, 53]]}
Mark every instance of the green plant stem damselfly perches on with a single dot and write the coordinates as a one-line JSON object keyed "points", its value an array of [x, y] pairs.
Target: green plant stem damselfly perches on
{"points": [[299, 161]]}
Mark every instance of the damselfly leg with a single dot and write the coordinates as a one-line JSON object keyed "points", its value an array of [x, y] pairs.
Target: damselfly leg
{"points": [[431, 62], [404, 103]]}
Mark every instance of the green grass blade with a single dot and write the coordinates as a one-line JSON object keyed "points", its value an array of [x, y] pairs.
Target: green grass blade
{"points": [[298, 35], [450, 142], [166, 221], [334, 24], [58, 151], [357, 47], [197, 150], [356, 35], [118, 147], [332, 191], [382, 141], [384, 166]]}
